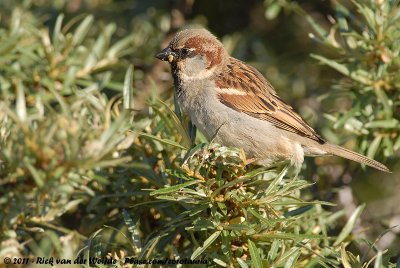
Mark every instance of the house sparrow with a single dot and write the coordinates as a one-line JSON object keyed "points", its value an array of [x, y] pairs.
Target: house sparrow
{"points": [[232, 102]]}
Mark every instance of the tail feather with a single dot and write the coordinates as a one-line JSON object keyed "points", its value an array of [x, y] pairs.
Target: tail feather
{"points": [[348, 154]]}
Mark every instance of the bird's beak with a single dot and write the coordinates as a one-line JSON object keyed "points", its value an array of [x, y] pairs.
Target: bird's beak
{"points": [[166, 55]]}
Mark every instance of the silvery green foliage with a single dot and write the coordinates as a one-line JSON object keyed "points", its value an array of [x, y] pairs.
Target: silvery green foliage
{"points": [[365, 40], [82, 173]]}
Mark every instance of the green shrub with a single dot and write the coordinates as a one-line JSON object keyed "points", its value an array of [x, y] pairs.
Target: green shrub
{"points": [[367, 55], [61, 136], [83, 173]]}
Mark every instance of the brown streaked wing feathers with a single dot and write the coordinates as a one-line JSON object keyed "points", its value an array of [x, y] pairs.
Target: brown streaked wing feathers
{"points": [[261, 100]]}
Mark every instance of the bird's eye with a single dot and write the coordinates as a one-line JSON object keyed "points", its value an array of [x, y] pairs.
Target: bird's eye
{"points": [[185, 51]]}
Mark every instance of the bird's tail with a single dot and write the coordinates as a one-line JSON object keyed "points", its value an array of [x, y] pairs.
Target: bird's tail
{"points": [[348, 154]]}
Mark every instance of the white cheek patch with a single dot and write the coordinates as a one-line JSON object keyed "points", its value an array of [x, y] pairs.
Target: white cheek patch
{"points": [[231, 91], [189, 73]]}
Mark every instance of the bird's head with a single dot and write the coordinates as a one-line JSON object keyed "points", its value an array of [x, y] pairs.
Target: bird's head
{"points": [[195, 54]]}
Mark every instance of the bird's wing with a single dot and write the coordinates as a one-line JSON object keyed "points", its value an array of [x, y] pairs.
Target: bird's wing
{"points": [[244, 89]]}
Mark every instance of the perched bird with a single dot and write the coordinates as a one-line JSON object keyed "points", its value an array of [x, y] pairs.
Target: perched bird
{"points": [[232, 102]]}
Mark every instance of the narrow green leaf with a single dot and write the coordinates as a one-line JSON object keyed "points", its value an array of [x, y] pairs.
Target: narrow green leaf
{"points": [[203, 224], [128, 89], [71, 205], [193, 151], [114, 127], [103, 41], [301, 202], [242, 263], [344, 257], [258, 172], [298, 211], [82, 30], [343, 120], [206, 244], [285, 236], [180, 174], [115, 50], [383, 98], [378, 260], [178, 125], [374, 146], [341, 68], [35, 174], [259, 216], [6, 46], [133, 230], [220, 262], [396, 145], [276, 181], [341, 13], [255, 255], [292, 260], [273, 252], [236, 227], [174, 188], [389, 123], [16, 18], [388, 146], [20, 102], [348, 228], [367, 13], [57, 31], [316, 26], [169, 142]]}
